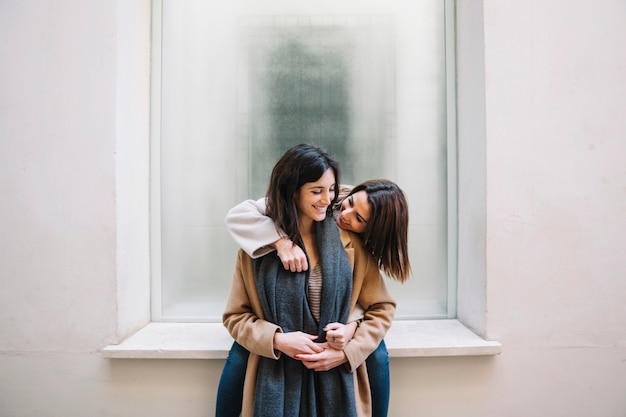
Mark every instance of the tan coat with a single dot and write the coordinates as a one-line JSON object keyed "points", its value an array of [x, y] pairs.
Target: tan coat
{"points": [[243, 317]]}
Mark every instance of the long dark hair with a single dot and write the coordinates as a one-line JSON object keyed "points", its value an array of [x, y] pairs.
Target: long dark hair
{"points": [[299, 165], [386, 233]]}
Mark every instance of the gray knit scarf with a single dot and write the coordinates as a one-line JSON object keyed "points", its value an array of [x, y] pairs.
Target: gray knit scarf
{"points": [[285, 387]]}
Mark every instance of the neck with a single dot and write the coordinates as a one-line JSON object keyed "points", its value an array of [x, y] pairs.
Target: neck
{"points": [[306, 227]]}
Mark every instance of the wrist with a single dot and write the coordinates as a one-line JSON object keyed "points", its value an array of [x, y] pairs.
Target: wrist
{"points": [[281, 243], [344, 357], [277, 341], [354, 325]]}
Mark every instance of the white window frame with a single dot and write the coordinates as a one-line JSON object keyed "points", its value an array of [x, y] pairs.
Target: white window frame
{"points": [[140, 338], [157, 283]]}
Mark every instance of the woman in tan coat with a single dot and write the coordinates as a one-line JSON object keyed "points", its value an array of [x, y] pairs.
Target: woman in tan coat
{"points": [[280, 316], [377, 211]]}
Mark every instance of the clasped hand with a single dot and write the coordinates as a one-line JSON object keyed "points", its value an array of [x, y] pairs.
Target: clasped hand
{"points": [[299, 345], [316, 356]]}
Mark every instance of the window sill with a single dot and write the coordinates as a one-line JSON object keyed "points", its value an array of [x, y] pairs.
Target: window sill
{"points": [[406, 338]]}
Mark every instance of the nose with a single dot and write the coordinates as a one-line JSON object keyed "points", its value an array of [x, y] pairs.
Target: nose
{"points": [[326, 198]]}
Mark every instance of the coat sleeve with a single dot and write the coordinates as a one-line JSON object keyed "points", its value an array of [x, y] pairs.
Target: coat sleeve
{"points": [[251, 229], [371, 292], [243, 317]]}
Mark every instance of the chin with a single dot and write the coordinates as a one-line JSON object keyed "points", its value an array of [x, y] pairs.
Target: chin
{"points": [[320, 218]]}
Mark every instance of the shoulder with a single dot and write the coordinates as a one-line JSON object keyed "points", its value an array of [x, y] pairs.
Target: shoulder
{"points": [[363, 263], [351, 240], [346, 237]]}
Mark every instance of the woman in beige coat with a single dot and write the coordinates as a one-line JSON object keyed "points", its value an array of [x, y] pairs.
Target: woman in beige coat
{"points": [[377, 211], [306, 373]]}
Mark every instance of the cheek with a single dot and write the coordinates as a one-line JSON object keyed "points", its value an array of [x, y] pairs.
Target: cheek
{"points": [[358, 227]]}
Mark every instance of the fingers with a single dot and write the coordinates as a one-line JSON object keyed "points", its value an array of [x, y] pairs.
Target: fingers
{"points": [[323, 361], [314, 347], [300, 258], [297, 343], [285, 264], [332, 326], [334, 331], [293, 258], [335, 342], [295, 265], [336, 335]]}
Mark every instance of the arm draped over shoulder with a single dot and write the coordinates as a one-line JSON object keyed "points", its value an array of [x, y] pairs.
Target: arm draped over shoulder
{"points": [[251, 229]]}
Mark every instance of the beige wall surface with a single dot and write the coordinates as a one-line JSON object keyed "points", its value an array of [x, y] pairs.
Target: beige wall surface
{"points": [[541, 130]]}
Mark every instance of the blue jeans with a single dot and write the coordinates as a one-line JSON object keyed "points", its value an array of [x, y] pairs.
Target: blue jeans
{"points": [[378, 375], [230, 388]]}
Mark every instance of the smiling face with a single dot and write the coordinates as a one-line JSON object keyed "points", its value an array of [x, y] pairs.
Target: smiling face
{"points": [[354, 213], [313, 198]]}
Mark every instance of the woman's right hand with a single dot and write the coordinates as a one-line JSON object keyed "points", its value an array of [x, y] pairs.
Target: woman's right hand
{"points": [[294, 343], [292, 256]]}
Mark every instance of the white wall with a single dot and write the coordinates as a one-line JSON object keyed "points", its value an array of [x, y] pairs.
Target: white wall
{"points": [[553, 220]]}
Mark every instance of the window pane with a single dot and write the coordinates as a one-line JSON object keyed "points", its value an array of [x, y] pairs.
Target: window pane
{"points": [[242, 82]]}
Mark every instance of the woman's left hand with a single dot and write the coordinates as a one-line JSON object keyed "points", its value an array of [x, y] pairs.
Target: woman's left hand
{"points": [[328, 359], [338, 335]]}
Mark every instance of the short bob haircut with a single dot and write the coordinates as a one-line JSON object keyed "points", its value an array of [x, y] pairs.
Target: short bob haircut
{"points": [[301, 164]]}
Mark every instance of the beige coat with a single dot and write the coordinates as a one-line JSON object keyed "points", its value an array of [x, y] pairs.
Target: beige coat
{"points": [[243, 317]]}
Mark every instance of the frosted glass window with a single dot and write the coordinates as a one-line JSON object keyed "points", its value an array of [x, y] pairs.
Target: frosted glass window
{"points": [[237, 83]]}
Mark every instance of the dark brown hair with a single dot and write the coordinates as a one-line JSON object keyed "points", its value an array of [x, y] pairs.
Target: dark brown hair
{"points": [[386, 233], [299, 165]]}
